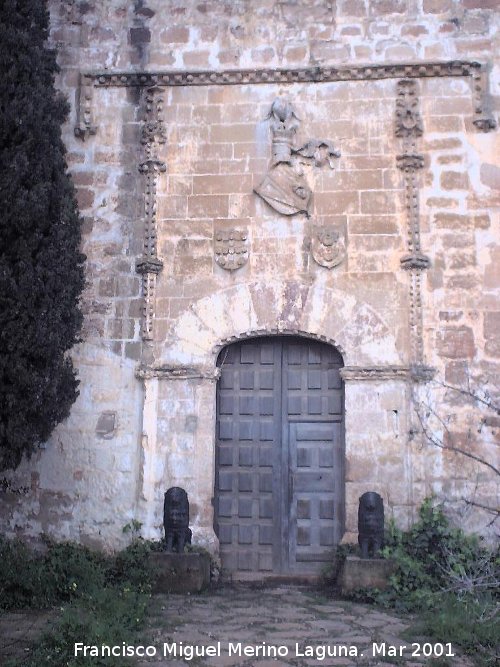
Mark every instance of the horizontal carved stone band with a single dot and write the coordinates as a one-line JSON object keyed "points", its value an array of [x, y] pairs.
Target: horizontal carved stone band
{"points": [[348, 373], [378, 373], [176, 373], [314, 74], [86, 125]]}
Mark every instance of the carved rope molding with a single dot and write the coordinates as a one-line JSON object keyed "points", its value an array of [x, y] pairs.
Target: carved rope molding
{"points": [[149, 264], [478, 73]]}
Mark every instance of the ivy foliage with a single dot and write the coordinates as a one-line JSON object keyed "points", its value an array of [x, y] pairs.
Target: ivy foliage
{"points": [[41, 267], [451, 579], [433, 557]]}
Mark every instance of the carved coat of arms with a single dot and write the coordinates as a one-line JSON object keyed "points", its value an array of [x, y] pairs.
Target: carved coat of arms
{"points": [[231, 249], [328, 246]]}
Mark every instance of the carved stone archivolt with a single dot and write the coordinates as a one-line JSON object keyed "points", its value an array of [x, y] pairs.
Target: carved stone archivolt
{"points": [[231, 249], [328, 246], [149, 265], [284, 187]]}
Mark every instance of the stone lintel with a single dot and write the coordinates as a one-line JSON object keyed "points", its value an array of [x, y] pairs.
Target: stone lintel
{"points": [[374, 72]]}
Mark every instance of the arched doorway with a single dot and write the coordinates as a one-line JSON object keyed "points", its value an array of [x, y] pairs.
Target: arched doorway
{"points": [[279, 482]]}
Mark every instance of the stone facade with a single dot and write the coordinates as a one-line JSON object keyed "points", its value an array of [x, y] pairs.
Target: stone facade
{"points": [[395, 261]]}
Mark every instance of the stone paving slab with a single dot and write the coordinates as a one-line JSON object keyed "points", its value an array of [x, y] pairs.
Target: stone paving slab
{"points": [[276, 627], [283, 627]]}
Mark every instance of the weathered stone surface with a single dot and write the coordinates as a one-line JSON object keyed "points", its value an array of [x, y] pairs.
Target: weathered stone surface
{"points": [[359, 573], [180, 573], [216, 150]]}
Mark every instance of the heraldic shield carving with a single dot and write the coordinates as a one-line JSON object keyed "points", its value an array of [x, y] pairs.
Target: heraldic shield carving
{"points": [[231, 249], [328, 246]]}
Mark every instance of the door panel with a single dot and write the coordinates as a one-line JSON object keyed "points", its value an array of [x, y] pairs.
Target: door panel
{"points": [[279, 455], [315, 472], [247, 428]]}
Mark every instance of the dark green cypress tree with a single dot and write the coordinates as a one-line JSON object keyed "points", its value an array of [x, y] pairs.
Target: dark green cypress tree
{"points": [[41, 267]]}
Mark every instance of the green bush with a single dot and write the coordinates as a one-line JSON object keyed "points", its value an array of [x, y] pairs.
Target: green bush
{"points": [[131, 567], [430, 557], [71, 570], [105, 597], [107, 617], [67, 571], [21, 577], [449, 578], [63, 572]]}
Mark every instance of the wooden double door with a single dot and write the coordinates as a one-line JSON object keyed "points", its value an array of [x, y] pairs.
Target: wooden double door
{"points": [[279, 487]]}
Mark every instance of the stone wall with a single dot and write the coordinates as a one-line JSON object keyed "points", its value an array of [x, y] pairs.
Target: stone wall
{"points": [[416, 290]]}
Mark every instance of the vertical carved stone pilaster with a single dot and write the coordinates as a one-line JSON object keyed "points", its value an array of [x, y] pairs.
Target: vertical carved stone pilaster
{"points": [[409, 128], [483, 117], [84, 108], [149, 264]]}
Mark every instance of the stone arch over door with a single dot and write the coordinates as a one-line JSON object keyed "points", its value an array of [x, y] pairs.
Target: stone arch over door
{"points": [[314, 310], [279, 458]]}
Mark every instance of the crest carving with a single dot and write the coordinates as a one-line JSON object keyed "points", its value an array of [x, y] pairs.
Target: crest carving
{"points": [[231, 249], [284, 187], [408, 118], [328, 246]]}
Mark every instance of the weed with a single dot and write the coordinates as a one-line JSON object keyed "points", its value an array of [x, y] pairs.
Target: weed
{"points": [[471, 623], [439, 662], [109, 617], [104, 597], [394, 659], [132, 528]]}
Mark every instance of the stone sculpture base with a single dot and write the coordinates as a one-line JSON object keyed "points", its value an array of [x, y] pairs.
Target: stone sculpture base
{"points": [[357, 573], [180, 573]]}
